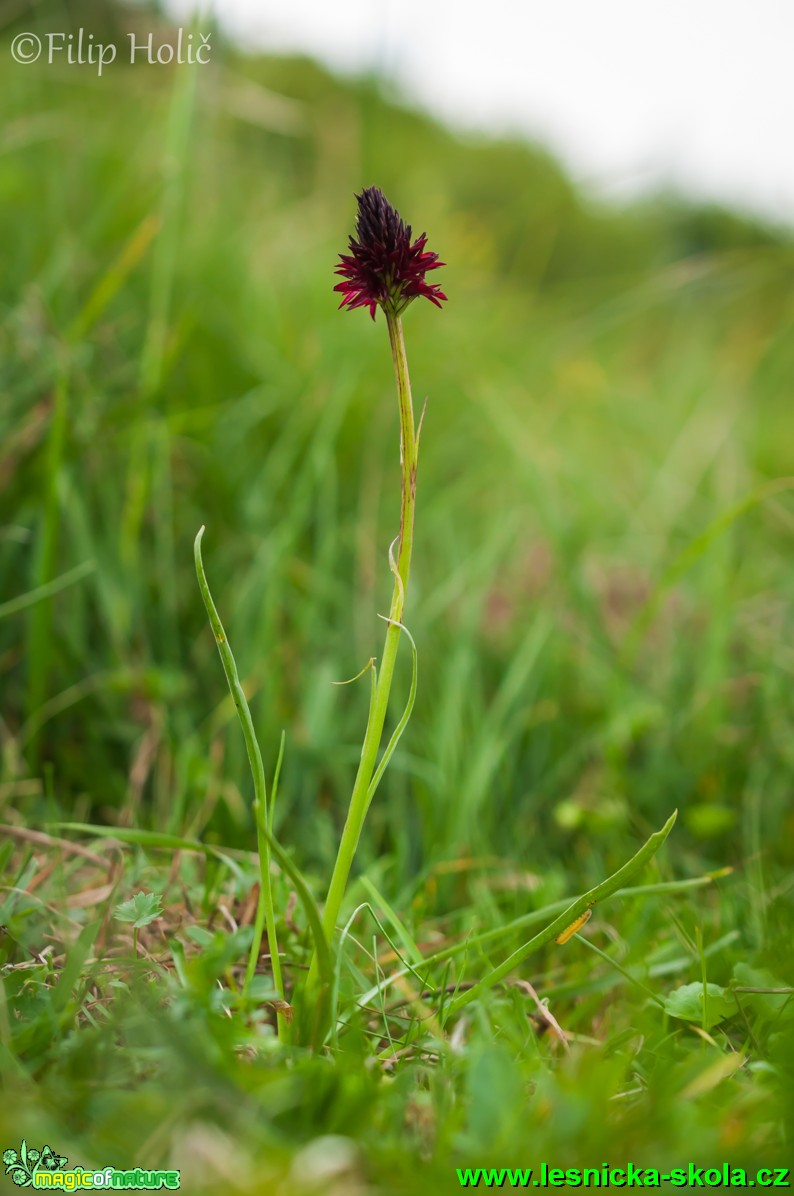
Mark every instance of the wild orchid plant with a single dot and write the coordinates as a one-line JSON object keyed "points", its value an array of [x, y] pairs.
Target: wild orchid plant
{"points": [[384, 268]]}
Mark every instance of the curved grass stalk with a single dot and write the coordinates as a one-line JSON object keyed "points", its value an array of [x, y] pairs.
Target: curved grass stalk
{"points": [[260, 793], [566, 918]]}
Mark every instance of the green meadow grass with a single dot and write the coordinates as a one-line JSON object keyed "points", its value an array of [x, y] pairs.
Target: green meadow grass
{"points": [[601, 599]]}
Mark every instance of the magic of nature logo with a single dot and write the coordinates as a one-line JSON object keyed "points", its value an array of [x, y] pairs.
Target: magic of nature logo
{"points": [[31, 1168]]}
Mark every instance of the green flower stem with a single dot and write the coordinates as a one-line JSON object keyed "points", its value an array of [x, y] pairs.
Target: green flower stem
{"points": [[362, 787], [263, 829]]}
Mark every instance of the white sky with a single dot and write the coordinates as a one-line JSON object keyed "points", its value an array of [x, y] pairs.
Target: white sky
{"points": [[630, 93]]}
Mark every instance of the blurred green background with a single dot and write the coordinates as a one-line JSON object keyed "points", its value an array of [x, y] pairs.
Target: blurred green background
{"points": [[602, 386], [601, 592]]}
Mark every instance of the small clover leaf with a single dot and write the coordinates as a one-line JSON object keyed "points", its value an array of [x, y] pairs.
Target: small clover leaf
{"points": [[141, 909]]}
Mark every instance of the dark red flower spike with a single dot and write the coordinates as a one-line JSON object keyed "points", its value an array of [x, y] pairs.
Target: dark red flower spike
{"points": [[383, 268]]}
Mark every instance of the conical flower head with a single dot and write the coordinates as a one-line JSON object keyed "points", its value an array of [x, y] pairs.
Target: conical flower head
{"points": [[384, 268]]}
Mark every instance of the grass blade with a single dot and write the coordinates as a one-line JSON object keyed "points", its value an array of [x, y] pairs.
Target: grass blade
{"points": [[569, 915]]}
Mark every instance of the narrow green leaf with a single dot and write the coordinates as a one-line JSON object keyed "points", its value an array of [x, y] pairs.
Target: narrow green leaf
{"points": [[567, 917]]}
